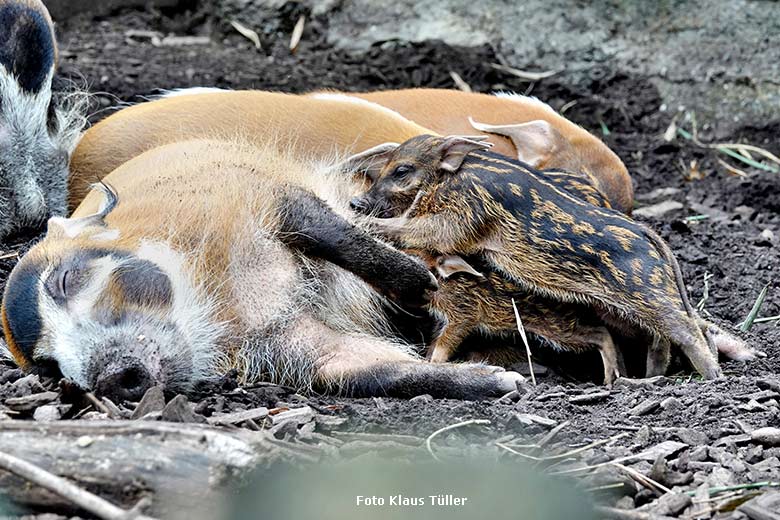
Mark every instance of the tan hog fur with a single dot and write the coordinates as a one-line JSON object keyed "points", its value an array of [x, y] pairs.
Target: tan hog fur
{"points": [[208, 213], [311, 127], [324, 123], [447, 112], [442, 196]]}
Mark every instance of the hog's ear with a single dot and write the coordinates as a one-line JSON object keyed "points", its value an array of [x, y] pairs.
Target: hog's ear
{"points": [[447, 265], [72, 227], [371, 161], [455, 148], [535, 141]]}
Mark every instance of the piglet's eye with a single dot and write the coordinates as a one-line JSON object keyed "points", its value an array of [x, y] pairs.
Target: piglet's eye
{"points": [[402, 170]]}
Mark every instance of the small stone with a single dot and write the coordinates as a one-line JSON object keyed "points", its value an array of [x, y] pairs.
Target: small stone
{"points": [[671, 504], [30, 402], [671, 403], [645, 407], [643, 435], [765, 239], [425, 398], [768, 436], [48, 412], [530, 419], [699, 454], [254, 414], [152, 401], [180, 410], [657, 193], [764, 506], [752, 406], [646, 382], [692, 437], [84, 441], [665, 449], [744, 212], [659, 209]]}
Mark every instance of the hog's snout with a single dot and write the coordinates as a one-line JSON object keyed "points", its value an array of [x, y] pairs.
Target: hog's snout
{"points": [[126, 379]]}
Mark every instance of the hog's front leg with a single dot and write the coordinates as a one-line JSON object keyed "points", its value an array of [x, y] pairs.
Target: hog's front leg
{"points": [[310, 226]]}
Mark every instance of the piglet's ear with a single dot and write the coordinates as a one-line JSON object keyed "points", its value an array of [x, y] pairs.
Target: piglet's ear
{"points": [[455, 148], [371, 161], [448, 265]]}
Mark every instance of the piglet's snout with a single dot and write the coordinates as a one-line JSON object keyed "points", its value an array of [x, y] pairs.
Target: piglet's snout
{"points": [[125, 379], [358, 205]]}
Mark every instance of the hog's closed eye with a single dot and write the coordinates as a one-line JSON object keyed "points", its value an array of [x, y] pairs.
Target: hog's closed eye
{"points": [[402, 170], [62, 282]]}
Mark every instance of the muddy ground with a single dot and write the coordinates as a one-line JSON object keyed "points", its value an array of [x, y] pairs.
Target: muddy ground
{"points": [[732, 236]]}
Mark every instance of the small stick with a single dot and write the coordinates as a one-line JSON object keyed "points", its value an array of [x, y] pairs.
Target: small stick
{"points": [[58, 485], [732, 169], [552, 434], [751, 317], [247, 33], [521, 329], [766, 319], [459, 82], [448, 428], [644, 480], [6, 256], [524, 74], [98, 404], [295, 38]]}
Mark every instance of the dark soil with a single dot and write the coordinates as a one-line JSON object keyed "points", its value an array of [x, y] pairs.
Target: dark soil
{"points": [[712, 419]]}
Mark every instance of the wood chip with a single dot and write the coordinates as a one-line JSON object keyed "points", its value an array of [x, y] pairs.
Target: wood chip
{"points": [[295, 38], [591, 398], [254, 414], [247, 33], [28, 403]]}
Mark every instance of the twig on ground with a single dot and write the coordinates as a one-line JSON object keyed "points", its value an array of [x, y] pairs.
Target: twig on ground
{"points": [[644, 480], [459, 82], [98, 404], [6, 256], [732, 169], [524, 74], [247, 33], [706, 294], [751, 317], [67, 490], [521, 329], [295, 38], [438, 432]]}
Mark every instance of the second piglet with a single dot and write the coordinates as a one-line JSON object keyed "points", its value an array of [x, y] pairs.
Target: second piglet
{"points": [[450, 196]]}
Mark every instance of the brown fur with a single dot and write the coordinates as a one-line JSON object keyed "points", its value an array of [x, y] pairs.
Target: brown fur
{"points": [[541, 238], [468, 304]]}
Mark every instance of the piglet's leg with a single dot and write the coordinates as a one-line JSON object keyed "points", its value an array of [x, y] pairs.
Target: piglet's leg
{"points": [[658, 356], [310, 226], [447, 343], [444, 232], [610, 355]]}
